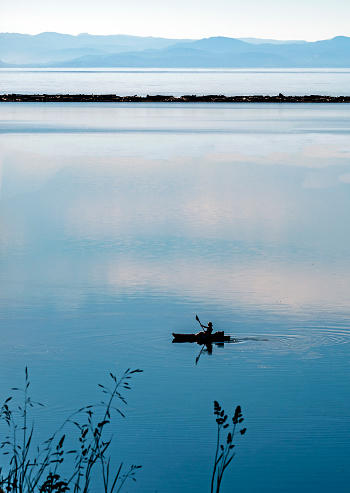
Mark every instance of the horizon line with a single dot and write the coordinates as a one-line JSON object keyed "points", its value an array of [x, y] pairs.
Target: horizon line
{"points": [[242, 38]]}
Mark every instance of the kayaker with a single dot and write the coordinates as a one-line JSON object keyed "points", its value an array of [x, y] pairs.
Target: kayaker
{"points": [[208, 329]]}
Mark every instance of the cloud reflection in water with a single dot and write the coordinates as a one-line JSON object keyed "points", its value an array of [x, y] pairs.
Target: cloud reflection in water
{"points": [[240, 229]]}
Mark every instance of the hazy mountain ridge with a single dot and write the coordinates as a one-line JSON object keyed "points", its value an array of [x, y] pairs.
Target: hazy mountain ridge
{"points": [[84, 50], [42, 48]]}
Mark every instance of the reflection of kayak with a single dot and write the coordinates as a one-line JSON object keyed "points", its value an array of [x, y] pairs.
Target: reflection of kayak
{"points": [[201, 337]]}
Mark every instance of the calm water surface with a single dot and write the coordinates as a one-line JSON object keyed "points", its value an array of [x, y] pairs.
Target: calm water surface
{"points": [[126, 82], [118, 224]]}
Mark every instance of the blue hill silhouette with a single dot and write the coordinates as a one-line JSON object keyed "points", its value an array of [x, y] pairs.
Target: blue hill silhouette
{"points": [[84, 50]]}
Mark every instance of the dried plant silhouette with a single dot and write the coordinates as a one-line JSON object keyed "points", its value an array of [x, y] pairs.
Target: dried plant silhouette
{"points": [[224, 446], [31, 469]]}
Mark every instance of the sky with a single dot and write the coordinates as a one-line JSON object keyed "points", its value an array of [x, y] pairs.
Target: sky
{"points": [[308, 20]]}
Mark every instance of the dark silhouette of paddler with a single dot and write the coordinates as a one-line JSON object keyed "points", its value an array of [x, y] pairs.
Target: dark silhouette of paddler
{"points": [[208, 329]]}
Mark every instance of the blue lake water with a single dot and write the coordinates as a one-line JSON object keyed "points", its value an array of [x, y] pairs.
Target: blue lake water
{"points": [[126, 82], [120, 223]]}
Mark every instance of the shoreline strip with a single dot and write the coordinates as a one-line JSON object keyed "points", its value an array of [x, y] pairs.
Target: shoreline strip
{"points": [[210, 98]]}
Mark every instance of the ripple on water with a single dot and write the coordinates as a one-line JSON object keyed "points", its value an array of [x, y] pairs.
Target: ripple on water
{"points": [[311, 338]]}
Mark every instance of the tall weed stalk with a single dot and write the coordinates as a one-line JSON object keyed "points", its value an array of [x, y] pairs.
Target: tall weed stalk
{"points": [[39, 469], [224, 446]]}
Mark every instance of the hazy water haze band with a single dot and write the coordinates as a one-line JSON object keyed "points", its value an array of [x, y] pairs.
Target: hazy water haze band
{"points": [[176, 82]]}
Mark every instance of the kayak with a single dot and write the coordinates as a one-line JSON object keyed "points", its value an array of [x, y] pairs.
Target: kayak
{"points": [[201, 337]]}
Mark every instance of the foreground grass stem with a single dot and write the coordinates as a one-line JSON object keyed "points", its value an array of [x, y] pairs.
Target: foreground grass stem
{"points": [[39, 469]]}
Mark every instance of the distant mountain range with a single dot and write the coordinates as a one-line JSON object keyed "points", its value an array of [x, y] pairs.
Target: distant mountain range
{"points": [[49, 50]]}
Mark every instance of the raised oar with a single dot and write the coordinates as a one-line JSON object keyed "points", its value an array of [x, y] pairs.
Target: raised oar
{"points": [[199, 321], [197, 359]]}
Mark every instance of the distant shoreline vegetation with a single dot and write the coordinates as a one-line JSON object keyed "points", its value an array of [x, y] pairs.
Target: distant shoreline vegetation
{"points": [[113, 98]]}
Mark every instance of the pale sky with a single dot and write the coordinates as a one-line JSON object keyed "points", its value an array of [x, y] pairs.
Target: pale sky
{"points": [[309, 20]]}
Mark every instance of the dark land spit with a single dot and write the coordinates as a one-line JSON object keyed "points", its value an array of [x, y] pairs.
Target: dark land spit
{"points": [[113, 98]]}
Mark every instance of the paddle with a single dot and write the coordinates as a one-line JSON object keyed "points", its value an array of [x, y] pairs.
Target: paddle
{"points": [[199, 321], [197, 359]]}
